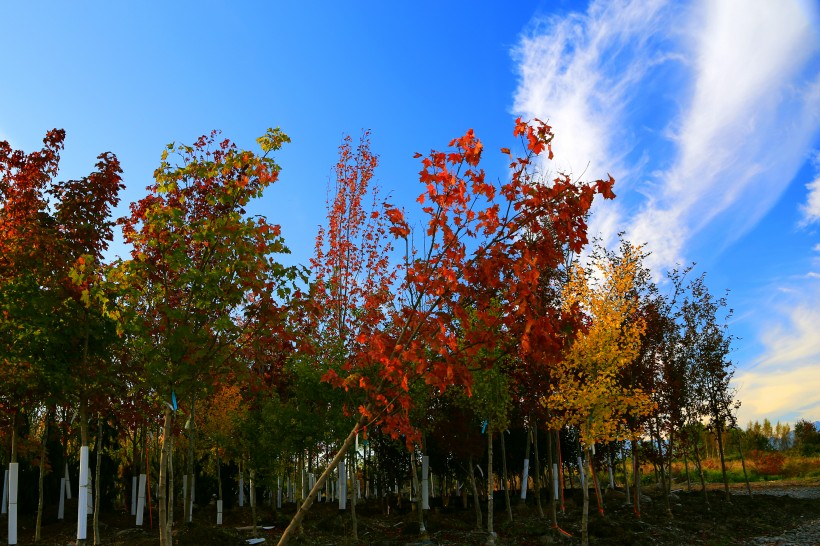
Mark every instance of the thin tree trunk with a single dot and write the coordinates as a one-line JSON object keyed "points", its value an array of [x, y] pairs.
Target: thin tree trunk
{"points": [[171, 486], [505, 477], [83, 443], [478, 515], [490, 489], [537, 472], [663, 472], [14, 438], [626, 479], [164, 535], [599, 499], [585, 513], [719, 431], [560, 469], [353, 519], [743, 463], [416, 485], [696, 451], [686, 466], [220, 502], [219, 473], [636, 475], [97, 536], [252, 475], [42, 475], [553, 489], [525, 477], [191, 467]]}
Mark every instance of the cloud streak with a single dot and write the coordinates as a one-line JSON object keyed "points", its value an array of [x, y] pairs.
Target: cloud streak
{"points": [[783, 383], [705, 113], [811, 209], [739, 105]]}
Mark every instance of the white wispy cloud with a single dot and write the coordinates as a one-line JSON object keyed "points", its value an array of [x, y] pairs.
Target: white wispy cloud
{"points": [[811, 209], [742, 135], [783, 384], [578, 72], [704, 112], [747, 107]]}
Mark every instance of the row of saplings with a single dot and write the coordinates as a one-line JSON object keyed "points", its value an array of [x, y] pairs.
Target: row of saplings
{"points": [[385, 473]]}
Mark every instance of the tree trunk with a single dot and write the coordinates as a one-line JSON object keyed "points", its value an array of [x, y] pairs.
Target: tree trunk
{"points": [[505, 477], [164, 535], [171, 485], [585, 488], [303, 509], [598, 498], [82, 502], [220, 501], [42, 475], [553, 474], [14, 438], [696, 451], [97, 536], [743, 463], [636, 475], [663, 473], [478, 515], [252, 475], [189, 507], [353, 519], [686, 467], [525, 475], [219, 473], [719, 431], [626, 478], [537, 483], [419, 504], [560, 469], [490, 489]]}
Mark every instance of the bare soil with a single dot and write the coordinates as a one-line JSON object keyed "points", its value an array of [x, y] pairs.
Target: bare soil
{"points": [[774, 508]]}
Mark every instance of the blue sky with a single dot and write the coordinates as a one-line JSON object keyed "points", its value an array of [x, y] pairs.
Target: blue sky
{"points": [[706, 113]]}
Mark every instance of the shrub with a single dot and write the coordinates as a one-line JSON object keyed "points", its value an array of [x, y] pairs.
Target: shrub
{"points": [[767, 463], [799, 467]]}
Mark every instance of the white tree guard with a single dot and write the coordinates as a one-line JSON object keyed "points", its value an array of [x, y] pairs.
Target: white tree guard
{"points": [[342, 487], [193, 495], [555, 481], [525, 479], [13, 473], [581, 472], [82, 497], [425, 485], [219, 512], [141, 499]]}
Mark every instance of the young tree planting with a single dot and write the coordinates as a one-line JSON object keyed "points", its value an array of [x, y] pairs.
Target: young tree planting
{"points": [[201, 272], [474, 257]]}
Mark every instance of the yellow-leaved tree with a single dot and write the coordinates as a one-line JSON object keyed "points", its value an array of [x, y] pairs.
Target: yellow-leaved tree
{"points": [[590, 391]]}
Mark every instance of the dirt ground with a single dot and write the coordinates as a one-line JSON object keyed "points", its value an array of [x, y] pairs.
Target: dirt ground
{"points": [[773, 508]]}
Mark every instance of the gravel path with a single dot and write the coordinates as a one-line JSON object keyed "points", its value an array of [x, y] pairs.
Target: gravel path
{"points": [[807, 534]]}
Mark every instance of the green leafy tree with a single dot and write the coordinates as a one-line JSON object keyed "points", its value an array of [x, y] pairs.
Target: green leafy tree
{"points": [[202, 275]]}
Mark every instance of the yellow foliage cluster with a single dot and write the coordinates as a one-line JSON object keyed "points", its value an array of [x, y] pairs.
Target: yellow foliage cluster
{"points": [[591, 391]]}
